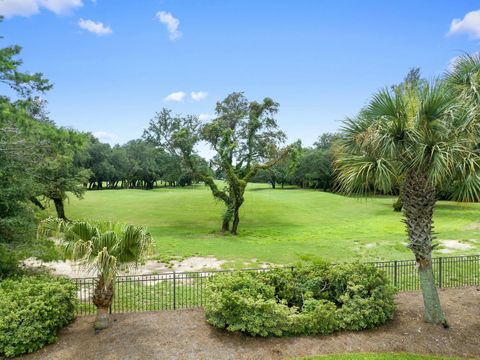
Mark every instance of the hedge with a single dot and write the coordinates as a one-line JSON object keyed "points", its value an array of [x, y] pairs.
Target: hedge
{"points": [[306, 300]]}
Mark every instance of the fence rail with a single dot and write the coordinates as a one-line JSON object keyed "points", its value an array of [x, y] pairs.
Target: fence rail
{"points": [[181, 290]]}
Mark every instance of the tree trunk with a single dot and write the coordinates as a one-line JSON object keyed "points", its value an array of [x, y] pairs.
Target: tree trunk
{"points": [[418, 203], [102, 320], [236, 220], [60, 208], [225, 226], [102, 298], [431, 302], [37, 202], [273, 184]]}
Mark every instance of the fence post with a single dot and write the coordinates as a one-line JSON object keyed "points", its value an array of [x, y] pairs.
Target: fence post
{"points": [[476, 268], [395, 273], [440, 265], [174, 291]]}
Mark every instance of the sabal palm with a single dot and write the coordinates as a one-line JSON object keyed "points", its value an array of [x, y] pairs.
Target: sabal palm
{"points": [[420, 140], [100, 248]]}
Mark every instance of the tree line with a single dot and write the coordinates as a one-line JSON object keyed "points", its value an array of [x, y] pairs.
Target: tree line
{"points": [[137, 164]]}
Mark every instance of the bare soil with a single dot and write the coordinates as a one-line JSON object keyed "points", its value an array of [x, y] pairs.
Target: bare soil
{"points": [[184, 334], [72, 270]]}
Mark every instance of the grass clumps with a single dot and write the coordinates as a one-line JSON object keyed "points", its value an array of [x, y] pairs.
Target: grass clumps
{"points": [[307, 300]]}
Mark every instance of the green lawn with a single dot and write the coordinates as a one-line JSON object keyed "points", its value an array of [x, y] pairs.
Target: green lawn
{"points": [[277, 226], [386, 356]]}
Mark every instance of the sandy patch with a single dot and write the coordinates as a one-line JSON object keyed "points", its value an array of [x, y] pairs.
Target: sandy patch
{"points": [[197, 263], [452, 245], [151, 267], [474, 226]]}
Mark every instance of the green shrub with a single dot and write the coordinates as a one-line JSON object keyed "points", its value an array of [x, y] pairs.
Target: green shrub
{"points": [[32, 310], [307, 300], [245, 303], [316, 317]]}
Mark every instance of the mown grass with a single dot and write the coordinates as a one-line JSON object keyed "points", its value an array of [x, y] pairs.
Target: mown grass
{"points": [[277, 226], [384, 356]]}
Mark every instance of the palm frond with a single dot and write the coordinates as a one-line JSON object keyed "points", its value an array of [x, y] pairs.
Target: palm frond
{"points": [[466, 182], [92, 244]]}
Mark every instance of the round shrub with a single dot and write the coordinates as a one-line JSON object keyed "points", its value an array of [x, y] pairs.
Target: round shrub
{"points": [[32, 310], [306, 300]]}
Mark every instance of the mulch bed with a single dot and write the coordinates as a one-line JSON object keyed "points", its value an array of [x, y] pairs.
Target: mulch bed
{"points": [[184, 334]]}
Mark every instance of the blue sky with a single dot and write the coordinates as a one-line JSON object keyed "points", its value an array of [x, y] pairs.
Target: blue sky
{"points": [[115, 62]]}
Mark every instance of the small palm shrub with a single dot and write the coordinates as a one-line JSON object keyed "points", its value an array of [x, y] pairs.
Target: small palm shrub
{"points": [[32, 310], [103, 249], [307, 300]]}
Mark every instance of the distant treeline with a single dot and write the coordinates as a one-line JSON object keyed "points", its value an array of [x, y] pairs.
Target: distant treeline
{"points": [[306, 167], [140, 165], [135, 165]]}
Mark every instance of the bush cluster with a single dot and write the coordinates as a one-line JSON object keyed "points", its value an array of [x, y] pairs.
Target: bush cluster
{"points": [[307, 300], [32, 310]]}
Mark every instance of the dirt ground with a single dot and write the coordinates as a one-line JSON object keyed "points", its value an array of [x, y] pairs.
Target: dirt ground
{"points": [[184, 334]]}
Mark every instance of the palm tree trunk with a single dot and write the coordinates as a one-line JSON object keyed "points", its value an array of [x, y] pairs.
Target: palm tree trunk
{"points": [[102, 298], [418, 203], [102, 319], [433, 309]]}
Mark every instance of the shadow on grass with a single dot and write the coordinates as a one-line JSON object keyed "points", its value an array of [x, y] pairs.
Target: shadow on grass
{"points": [[277, 188]]}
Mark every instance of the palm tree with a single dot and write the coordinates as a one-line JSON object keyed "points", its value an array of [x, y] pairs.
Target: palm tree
{"points": [[420, 140], [102, 249]]}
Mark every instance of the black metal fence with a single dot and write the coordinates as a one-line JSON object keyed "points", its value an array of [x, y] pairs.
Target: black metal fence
{"points": [[181, 290]]}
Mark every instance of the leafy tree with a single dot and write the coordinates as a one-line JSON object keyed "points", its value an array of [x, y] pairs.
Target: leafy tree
{"points": [[18, 163], [61, 171], [18, 158], [326, 141], [421, 139], [244, 135], [314, 169], [143, 160], [121, 165], [99, 163], [102, 248], [277, 174]]}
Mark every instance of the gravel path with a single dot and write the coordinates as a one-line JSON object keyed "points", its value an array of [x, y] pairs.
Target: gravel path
{"points": [[184, 334]]}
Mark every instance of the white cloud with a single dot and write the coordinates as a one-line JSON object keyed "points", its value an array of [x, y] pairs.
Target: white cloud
{"points": [[94, 27], [204, 117], [171, 22], [470, 24], [9, 8], [176, 96], [105, 136], [198, 95]]}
